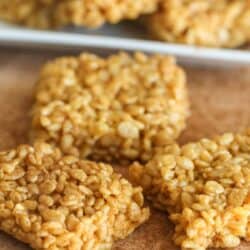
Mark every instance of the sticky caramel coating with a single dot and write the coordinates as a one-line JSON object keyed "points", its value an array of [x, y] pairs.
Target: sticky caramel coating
{"points": [[57, 202], [111, 109], [204, 186], [211, 23]]}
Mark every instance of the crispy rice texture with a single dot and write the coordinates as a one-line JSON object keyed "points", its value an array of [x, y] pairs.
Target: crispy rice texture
{"points": [[56, 13], [57, 202], [212, 23], [114, 109], [204, 186]]}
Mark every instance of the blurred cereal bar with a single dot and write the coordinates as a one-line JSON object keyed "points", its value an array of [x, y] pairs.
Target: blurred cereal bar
{"points": [[54, 202], [212, 23], [205, 188], [117, 108], [94, 13], [57, 13], [32, 13]]}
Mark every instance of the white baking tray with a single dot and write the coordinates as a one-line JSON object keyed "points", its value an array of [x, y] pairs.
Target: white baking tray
{"points": [[126, 36]]}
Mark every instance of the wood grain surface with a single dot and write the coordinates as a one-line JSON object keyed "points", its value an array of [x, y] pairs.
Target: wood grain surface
{"points": [[220, 102]]}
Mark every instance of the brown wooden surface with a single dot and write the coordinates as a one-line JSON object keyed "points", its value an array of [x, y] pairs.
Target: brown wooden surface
{"points": [[220, 102]]}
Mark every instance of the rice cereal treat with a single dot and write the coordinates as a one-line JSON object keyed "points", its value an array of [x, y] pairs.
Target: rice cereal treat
{"points": [[57, 13], [212, 23], [32, 13], [94, 13], [53, 202], [118, 108], [204, 186]]}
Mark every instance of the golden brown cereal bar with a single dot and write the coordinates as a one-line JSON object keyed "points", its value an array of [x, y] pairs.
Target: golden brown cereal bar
{"points": [[212, 23], [57, 13], [63, 203], [204, 186], [32, 13], [118, 108], [94, 13]]}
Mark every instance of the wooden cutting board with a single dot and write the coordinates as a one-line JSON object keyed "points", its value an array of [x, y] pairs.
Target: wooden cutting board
{"points": [[220, 102]]}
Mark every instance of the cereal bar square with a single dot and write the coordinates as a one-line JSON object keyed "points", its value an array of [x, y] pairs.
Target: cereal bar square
{"points": [[115, 108], [211, 23], [57, 202], [205, 188], [89, 13]]}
